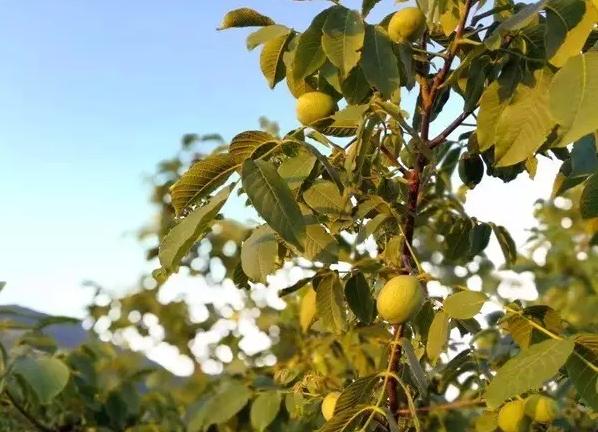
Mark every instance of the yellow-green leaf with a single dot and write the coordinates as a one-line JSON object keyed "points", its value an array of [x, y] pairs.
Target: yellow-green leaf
{"points": [[259, 254], [202, 178], [342, 40], [464, 304], [437, 336], [179, 240], [576, 37], [525, 123], [250, 144], [528, 370], [271, 59], [47, 376], [274, 201], [329, 303], [264, 409], [574, 97], [491, 107], [244, 17]]}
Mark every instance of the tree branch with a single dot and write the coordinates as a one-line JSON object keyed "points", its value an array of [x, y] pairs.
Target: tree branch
{"points": [[25, 414], [428, 95], [449, 129], [446, 407]]}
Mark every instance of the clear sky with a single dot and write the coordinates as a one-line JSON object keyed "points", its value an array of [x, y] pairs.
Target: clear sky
{"points": [[93, 94]]}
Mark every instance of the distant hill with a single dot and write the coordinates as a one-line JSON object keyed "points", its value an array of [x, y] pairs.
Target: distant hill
{"points": [[67, 332]]}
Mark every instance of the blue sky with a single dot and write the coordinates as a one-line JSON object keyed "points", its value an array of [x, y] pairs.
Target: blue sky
{"points": [[92, 95]]}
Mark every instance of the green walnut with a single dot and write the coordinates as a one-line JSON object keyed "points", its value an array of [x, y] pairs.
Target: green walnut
{"points": [[314, 106], [511, 417], [541, 409], [407, 25], [471, 169], [400, 299]]}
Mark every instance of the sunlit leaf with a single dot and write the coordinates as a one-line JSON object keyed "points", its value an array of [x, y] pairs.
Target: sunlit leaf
{"points": [[201, 179], [264, 409], [244, 17], [342, 40], [273, 200], [574, 97], [329, 302], [47, 376], [528, 370], [464, 304], [271, 59], [179, 240], [259, 254]]}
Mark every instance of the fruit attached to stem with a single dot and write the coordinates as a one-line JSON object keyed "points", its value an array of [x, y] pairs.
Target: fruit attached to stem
{"points": [[511, 417], [400, 299], [407, 25], [314, 106], [541, 409]]}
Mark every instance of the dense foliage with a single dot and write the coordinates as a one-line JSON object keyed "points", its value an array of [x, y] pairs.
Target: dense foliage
{"points": [[362, 193]]}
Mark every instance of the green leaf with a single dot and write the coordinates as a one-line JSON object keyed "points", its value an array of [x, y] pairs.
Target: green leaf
{"points": [[464, 304], [296, 169], [47, 376], [584, 159], [330, 170], [358, 392], [574, 97], [342, 40], [251, 144], [273, 200], [479, 236], [528, 370], [588, 202], [487, 422], [561, 16], [576, 37], [271, 59], [415, 367], [309, 54], [437, 336], [346, 121], [344, 420], [230, 398], [325, 199], [201, 179], [264, 409], [179, 240], [320, 246], [367, 6], [525, 123], [491, 108], [244, 17], [507, 244], [355, 88], [378, 61], [514, 22], [259, 254], [583, 376], [329, 302], [359, 298], [266, 34]]}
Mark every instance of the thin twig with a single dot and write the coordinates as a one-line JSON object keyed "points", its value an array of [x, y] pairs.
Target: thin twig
{"points": [[25, 414]]}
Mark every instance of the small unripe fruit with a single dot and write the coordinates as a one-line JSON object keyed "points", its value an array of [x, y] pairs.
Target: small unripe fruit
{"points": [[314, 106], [471, 169], [407, 25], [400, 299], [329, 404], [511, 417], [541, 408]]}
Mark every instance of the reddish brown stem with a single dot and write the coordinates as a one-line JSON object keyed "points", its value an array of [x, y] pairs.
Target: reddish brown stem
{"points": [[414, 177], [449, 129]]}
